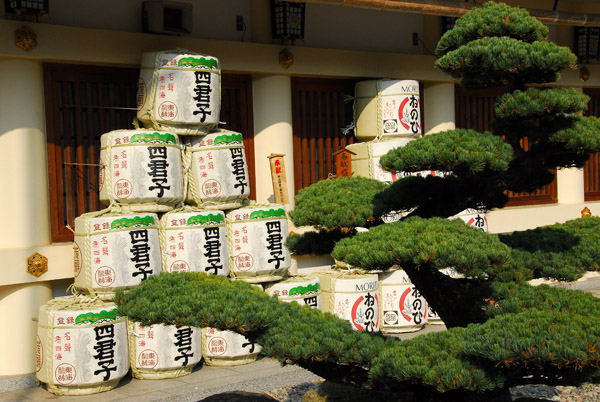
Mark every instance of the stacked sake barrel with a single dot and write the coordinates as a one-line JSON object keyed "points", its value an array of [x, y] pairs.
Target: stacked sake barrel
{"points": [[216, 229], [387, 115], [81, 346]]}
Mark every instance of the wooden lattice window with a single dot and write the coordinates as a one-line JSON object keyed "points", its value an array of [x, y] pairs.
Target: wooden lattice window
{"points": [[82, 103], [475, 110], [591, 170], [321, 111]]}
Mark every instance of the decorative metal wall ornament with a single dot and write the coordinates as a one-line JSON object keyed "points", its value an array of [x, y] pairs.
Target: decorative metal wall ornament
{"points": [[584, 74], [37, 264], [286, 59], [585, 212], [25, 38]]}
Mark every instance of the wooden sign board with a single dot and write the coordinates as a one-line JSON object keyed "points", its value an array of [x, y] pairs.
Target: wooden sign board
{"points": [[343, 163], [280, 190]]}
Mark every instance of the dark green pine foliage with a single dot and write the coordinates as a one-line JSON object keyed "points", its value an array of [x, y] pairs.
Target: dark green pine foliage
{"points": [[501, 331]]}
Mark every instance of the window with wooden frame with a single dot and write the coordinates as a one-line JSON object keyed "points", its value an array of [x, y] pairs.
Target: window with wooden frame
{"points": [[321, 110], [82, 103], [475, 110], [591, 170]]}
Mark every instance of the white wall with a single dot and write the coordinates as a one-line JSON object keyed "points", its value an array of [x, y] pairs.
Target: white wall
{"points": [[334, 27], [212, 19], [340, 27]]}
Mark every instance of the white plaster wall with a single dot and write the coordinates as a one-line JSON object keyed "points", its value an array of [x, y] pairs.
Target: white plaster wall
{"points": [[211, 19], [340, 27]]}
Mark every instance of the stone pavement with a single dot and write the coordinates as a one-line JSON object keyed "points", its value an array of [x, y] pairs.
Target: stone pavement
{"points": [[263, 375]]}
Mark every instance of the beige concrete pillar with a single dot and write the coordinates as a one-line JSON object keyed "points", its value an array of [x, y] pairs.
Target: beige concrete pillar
{"points": [[19, 306], [272, 105], [24, 210], [570, 186], [439, 107]]}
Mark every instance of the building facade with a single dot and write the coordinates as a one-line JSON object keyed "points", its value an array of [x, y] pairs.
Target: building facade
{"points": [[280, 110]]}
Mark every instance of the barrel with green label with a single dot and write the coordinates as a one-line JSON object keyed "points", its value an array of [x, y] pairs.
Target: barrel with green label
{"points": [[163, 351], [141, 169], [179, 91], [256, 237], [113, 251], [194, 240], [218, 176], [302, 289], [81, 346]]}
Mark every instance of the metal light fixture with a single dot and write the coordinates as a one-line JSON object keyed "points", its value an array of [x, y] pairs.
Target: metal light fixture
{"points": [[584, 74], [287, 20], [587, 41], [22, 9], [448, 23]]}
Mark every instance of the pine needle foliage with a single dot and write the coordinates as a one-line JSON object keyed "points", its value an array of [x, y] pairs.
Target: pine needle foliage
{"points": [[492, 20], [501, 331], [336, 203], [458, 151]]}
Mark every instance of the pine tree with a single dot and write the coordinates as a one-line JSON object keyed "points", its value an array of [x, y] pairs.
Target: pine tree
{"points": [[501, 331]]}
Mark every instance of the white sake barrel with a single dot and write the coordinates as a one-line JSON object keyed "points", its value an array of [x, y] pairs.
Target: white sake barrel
{"points": [[141, 169], [227, 348], [256, 237], [163, 351], [178, 90], [302, 289], [114, 251], [218, 175], [403, 308], [194, 240], [352, 296], [366, 155], [387, 108], [474, 219], [81, 346]]}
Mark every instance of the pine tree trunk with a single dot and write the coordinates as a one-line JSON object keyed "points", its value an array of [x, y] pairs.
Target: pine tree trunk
{"points": [[458, 302]]}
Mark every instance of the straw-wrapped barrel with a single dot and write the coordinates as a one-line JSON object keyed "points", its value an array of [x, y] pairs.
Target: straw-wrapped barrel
{"points": [[194, 240], [257, 236], [81, 346], [352, 296], [387, 108], [141, 169], [163, 351], [218, 176], [113, 250], [227, 348], [403, 308], [179, 91], [302, 289]]}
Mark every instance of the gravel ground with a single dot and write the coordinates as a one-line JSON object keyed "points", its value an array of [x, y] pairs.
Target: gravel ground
{"points": [[583, 393]]}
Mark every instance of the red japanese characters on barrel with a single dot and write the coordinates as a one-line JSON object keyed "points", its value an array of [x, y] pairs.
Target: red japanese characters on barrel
{"points": [[387, 108], [141, 169], [218, 176], [81, 346], [179, 91], [163, 351]]}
